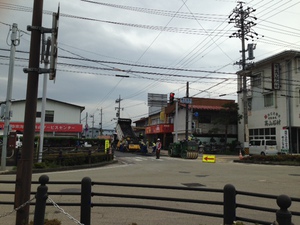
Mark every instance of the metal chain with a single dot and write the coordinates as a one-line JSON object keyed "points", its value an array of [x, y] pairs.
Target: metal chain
{"points": [[18, 208], [63, 211]]}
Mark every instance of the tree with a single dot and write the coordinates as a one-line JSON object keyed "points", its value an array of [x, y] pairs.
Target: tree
{"points": [[228, 115]]}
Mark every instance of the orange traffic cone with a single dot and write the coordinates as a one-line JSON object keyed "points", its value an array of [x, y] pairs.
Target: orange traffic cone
{"points": [[240, 155]]}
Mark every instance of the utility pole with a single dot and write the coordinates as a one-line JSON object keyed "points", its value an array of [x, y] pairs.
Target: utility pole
{"points": [[118, 115], [93, 122], [244, 22], [101, 131], [187, 114], [24, 169], [14, 42], [86, 124]]}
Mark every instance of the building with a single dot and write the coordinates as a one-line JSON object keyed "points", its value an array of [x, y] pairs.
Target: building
{"points": [[94, 132], [202, 114], [273, 100], [201, 121], [61, 118]]}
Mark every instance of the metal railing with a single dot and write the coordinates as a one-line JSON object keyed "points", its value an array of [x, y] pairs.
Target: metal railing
{"points": [[226, 200]]}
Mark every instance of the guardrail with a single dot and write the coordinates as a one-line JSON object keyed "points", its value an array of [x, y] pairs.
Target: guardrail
{"points": [[227, 201]]}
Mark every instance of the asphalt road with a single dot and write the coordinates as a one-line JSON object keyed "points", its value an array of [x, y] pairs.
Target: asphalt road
{"points": [[133, 168]]}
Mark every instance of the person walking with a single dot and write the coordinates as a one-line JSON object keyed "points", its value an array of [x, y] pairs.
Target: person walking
{"points": [[158, 147], [153, 147]]}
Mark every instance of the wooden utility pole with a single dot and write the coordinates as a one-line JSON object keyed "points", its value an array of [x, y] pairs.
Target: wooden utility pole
{"points": [[24, 169]]}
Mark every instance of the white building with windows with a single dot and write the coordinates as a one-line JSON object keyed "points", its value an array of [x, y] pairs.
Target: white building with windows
{"points": [[61, 118], [273, 100]]}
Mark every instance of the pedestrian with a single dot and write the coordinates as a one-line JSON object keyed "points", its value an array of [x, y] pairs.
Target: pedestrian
{"points": [[158, 148], [153, 147]]}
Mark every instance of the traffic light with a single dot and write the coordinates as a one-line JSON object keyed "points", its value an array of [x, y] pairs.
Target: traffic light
{"points": [[193, 125], [53, 55], [172, 98]]}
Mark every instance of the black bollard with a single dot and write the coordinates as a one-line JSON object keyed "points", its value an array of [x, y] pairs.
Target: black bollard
{"points": [[86, 194], [283, 216], [229, 204], [41, 198]]}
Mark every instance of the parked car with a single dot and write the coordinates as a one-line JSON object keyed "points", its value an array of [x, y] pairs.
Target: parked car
{"points": [[87, 145], [263, 147]]}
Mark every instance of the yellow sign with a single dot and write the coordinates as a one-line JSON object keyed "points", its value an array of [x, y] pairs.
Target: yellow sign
{"points": [[209, 158], [106, 145]]}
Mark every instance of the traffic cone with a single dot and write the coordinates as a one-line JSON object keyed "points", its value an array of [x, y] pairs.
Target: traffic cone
{"points": [[240, 155]]}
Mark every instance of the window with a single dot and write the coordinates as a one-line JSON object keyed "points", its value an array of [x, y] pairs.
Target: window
{"points": [[49, 116], [205, 119], [262, 133], [256, 80], [268, 100]]}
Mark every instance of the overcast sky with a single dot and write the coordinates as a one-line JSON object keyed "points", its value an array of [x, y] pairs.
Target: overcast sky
{"points": [[160, 45]]}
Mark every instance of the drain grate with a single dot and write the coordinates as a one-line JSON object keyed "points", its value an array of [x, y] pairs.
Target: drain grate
{"points": [[295, 174], [184, 172], [201, 175], [193, 185]]}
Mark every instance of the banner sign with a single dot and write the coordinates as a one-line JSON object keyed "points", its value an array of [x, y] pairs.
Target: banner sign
{"points": [[276, 76], [285, 141], [159, 128], [49, 127]]}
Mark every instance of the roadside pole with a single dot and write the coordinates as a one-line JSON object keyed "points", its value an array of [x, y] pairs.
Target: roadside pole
{"points": [[24, 169], [14, 43], [187, 114], [42, 127]]}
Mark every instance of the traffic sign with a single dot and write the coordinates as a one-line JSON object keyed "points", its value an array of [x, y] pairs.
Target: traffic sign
{"points": [[186, 100], [209, 158]]}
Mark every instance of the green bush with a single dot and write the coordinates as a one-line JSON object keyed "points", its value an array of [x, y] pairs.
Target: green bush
{"points": [[274, 158], [41, 165], [74, 159]]}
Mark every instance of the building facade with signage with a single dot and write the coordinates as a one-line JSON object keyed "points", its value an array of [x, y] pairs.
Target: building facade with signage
{"points": [[201, 120], [202, 113], [61, 118], [273, 100]]}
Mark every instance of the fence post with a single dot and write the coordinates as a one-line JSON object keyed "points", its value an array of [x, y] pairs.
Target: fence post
{"points": [[283, 216], [86, 194], [41, 198], [229, 204]]}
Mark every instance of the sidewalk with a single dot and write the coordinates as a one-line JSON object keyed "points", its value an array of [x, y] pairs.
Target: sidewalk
{"points": [[7, 170]]}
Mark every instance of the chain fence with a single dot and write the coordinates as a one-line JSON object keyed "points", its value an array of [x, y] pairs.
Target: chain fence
{"points": [[49, 200], [64, 212], [16, 209]]}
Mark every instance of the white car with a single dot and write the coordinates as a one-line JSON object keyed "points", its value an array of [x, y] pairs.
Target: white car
{"points": [[87, 145], [263, 147]]}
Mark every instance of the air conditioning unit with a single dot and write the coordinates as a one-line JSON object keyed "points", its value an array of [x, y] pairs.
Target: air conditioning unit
{"points": [[198, 130]]}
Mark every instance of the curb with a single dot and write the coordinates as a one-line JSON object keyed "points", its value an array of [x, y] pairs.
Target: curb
{"points": [[66, 168]]}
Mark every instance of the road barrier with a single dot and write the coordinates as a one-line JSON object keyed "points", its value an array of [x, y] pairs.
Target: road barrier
{"points": [[227, 201]]}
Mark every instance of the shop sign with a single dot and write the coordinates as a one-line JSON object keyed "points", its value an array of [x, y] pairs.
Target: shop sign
{"points": [[160, 128], [276, 76], [48, 127], [272, 119]]}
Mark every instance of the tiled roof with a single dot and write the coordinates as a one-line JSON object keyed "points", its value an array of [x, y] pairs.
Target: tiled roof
{"points": [[206, 107]]}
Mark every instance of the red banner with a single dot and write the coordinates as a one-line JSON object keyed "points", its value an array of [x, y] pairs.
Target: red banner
{"points": [[160, 128], [49, 127]]}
